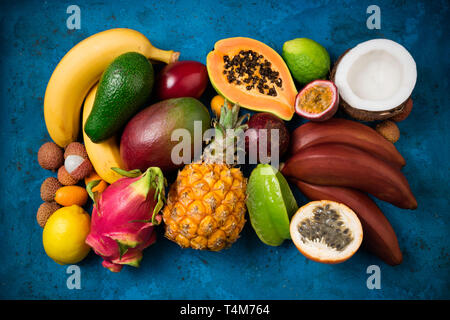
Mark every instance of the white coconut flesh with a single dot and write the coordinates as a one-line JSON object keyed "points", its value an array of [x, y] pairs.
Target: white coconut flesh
{"points": [[333, 234], [376, 75]]}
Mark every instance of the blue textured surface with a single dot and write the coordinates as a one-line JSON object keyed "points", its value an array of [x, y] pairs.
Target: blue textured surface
{"points": [[34, 38]]}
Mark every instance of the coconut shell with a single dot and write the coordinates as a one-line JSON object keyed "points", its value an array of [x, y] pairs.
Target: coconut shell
{"points": [[405, 113], [364, 115]]}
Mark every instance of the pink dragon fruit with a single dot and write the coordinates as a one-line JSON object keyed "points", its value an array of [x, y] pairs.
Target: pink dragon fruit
{"points": [[124, 216]]}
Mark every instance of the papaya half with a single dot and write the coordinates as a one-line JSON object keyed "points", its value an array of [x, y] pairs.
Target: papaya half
{"points": [[250, 73]]}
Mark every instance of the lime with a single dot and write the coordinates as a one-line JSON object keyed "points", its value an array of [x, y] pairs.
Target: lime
{"points": [[64, 235], [270, 204], [307, 59]]}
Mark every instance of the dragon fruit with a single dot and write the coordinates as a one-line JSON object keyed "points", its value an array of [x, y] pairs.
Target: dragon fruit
{"points": [[124, 216]]}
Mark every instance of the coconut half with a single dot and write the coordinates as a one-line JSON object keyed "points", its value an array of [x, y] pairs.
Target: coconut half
{"points": [[375, 79]]}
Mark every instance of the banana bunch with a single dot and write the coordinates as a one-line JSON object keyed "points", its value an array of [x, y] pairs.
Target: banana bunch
{"points": [[343, 160], [78, 71]]}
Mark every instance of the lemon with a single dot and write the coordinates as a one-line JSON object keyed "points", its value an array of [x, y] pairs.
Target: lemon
{"points": [[307, 60], [64, 235]]}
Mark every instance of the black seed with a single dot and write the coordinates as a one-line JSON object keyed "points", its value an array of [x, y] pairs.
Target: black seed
{"points": [[272, 92]]}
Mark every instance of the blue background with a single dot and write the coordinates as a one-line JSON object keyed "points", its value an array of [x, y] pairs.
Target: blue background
{"points": [[34, 38]]}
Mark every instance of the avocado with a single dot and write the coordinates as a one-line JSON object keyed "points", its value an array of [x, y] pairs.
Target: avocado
{"points": [[124, 88]]}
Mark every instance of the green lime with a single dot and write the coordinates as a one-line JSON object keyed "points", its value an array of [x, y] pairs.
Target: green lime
{"points": [[307, 59], [270, 204]]}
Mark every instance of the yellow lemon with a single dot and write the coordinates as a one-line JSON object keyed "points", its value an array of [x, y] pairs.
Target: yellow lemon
{"points": [[64, 235]]}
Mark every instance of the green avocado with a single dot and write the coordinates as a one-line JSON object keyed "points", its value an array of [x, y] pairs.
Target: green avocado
{"points": [[124, 88]]}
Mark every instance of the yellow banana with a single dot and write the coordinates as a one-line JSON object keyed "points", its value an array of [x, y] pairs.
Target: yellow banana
{"points": [[104, 155], [80, 69]]}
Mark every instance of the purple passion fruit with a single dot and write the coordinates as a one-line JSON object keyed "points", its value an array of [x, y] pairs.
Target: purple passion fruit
{"points": [[317, 101], [266, 121]]}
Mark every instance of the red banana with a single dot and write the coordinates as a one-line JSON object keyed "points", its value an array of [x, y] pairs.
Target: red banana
{"points": [[348, 132], [345, 166], [379, 237]]}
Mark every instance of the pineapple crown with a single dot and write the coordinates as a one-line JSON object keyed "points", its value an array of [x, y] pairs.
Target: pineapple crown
{"points": [[228, 144]]}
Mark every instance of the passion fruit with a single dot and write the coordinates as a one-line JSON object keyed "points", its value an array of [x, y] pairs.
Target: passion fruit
{"points": [[326, 231], [317, 101], [260, 134]]}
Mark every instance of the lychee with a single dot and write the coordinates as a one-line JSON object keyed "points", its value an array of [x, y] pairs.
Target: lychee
{"points": [[45, 211], [65, 178], [389, 130], [50, 156], [49, 188]]}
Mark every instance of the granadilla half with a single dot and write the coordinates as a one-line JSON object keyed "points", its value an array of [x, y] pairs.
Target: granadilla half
{"points": [[326, 231]]}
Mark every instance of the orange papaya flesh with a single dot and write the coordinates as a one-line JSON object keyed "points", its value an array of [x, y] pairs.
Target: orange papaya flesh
{"points": [[250, 73]]}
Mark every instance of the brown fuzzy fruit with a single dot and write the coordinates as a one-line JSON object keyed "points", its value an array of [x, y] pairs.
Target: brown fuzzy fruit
{"points": [[65, 178], [50, 156], [45, 211], [405, 112], [77, 166], [389, 130], [49, 188], [75, 148], [77, 162]]}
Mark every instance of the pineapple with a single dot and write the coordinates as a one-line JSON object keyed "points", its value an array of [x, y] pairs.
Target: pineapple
{"points": [[206, 205]]}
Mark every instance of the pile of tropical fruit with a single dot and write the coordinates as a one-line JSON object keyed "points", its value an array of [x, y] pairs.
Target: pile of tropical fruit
{"points": [[119, 130]]}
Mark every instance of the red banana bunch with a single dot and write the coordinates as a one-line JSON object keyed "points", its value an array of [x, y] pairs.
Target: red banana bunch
{"points": [[342, 160]]}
